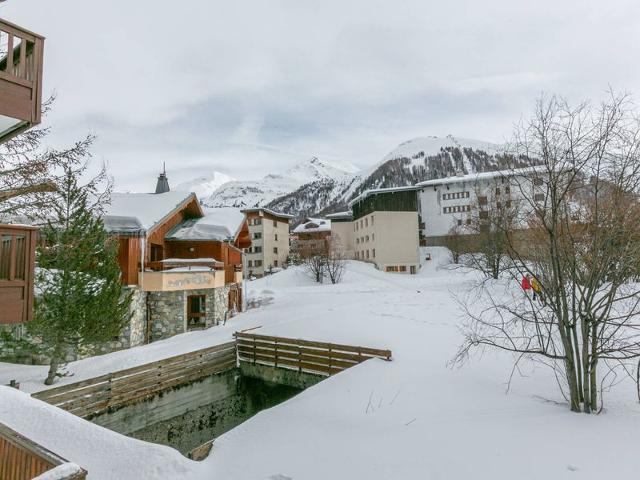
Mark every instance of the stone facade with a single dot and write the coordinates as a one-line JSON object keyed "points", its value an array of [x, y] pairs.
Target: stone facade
{"points": [[135, 332], [168, 310]]}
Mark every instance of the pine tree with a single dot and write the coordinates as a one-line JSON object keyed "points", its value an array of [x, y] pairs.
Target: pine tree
{"points": [[79, 298]]}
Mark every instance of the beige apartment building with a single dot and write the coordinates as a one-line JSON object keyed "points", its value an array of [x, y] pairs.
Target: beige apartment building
{"points": [[269, 233], [342, 233], [386, 229]]}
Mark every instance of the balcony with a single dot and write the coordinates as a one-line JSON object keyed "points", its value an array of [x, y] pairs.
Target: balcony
{"points": [[174, 274], [21, 55]]}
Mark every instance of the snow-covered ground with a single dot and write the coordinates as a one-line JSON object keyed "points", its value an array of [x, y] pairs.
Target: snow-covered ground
{"points": [[410, 418]]}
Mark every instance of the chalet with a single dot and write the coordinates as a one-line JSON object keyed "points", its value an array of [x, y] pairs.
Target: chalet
{"points": [[342, 232], [184, 264], [312, 235], [269, 248], [386, 225], [21, 58]]}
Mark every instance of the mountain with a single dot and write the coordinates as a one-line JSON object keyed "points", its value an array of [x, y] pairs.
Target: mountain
{"points": [[416, 160], [243, 194], [203, 187]]}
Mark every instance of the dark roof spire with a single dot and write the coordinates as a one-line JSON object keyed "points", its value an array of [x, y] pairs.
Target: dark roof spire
{"points": [[163, 183]]}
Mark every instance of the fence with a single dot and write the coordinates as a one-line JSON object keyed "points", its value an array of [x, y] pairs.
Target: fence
{"points": [[23, 459], [303, 355], [96, 395]]}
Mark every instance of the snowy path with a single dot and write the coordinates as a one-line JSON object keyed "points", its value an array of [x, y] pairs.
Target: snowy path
{"points": [[407, 419]]}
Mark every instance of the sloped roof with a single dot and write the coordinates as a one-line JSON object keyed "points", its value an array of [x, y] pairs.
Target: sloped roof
{"points": [[217, 224], [313, 225], [269, 211], [150, 209]]}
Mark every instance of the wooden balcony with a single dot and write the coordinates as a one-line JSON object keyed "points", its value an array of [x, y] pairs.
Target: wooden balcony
{"points": [[21, 56]]}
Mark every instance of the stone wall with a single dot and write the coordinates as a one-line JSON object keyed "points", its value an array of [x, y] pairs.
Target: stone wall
{"points": [[135, 332], [168, 310]]}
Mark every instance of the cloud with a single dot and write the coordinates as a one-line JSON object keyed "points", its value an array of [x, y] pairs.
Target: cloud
{"points": [[249, 87]]}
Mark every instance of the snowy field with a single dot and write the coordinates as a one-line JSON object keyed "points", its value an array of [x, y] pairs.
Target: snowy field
{"points": [[411, 418]]}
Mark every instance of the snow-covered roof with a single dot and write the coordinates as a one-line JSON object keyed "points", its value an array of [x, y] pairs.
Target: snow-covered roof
{"points": [[473, 177], [313, 225], [123, 225], [148, 208], [376, 191], [346, 215], [217, 224], [267, 210]]}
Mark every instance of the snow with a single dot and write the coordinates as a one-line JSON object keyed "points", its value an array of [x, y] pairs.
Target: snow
{"points": [[61, 472], [204, 186], [411, 418], [217, 224], [258, 193], [313, 225], [148, 208], [473, 177]]}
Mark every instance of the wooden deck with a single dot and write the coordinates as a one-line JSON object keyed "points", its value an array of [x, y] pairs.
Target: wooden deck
{"points": [[303, 355], [21, 59], [96, 395]]}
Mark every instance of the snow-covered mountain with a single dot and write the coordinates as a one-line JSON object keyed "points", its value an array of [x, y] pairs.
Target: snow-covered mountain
{"points": [[315, 186], [254, 193], [418, 159], [204, 186]]}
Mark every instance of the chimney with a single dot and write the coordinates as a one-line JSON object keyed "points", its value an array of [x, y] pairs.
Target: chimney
{"points": [[163, 184]]}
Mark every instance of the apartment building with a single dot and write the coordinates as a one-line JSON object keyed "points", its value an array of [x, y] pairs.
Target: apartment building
{"points": [[311, 236], [342, 233], [449, 202], [386, 229], [269, 232]]}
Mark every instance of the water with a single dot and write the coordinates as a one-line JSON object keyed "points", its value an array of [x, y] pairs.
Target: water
{"points": [[188, 416]]}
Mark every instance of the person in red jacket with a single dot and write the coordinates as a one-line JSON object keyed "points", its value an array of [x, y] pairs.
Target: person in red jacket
{"points": [[526, 284]]}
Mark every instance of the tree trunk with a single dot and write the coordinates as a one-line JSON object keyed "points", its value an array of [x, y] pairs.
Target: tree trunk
{"points": [[53, 368]]}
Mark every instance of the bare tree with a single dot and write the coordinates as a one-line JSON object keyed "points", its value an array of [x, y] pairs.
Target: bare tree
{"points": [[335, 261], [492, 219], [581, 248], [30, 172], [457, 242], [315, 265]]}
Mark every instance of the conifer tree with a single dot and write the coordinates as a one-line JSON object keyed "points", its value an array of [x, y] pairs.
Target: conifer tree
{"points": [[79, 298]]}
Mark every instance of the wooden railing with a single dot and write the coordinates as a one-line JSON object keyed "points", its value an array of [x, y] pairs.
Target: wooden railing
{"points": [[21, 59], [95, 395], [303, 355], [23, 459]]}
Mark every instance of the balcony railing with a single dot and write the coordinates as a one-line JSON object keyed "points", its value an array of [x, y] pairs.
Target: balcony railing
{"points": [[21, 58]]}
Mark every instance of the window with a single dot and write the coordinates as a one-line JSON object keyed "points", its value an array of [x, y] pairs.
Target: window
{"points": [[538, 197], [357, 240], [275, 250], [459, 222], [275, 223], [482, 200], [156, 252], [366, 222], [537, 181], [373, 253], [257, 221], [357, 255], [403, 268], [196, 311], [373, 237], [367, 238], [257, 249], [275, 263], [5, 256], [497, 190], [507, 189], [250, 263], [257, 235], [484, 215], [276, 237], [372, 220], [257, 263], [367, 254]]}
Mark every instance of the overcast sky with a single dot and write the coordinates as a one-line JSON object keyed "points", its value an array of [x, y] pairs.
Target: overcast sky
{"points": [[248, 88]]}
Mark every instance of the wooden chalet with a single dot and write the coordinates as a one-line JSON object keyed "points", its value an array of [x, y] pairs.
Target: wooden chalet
{"points": [[21, 59], [21, 56], [17, 259]]}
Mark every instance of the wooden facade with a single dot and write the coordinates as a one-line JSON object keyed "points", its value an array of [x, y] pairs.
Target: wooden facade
{"points": [[20, 79], [17, 266]]}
